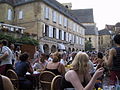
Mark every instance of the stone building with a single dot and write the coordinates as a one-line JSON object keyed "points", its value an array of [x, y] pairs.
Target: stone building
{"points": [[105, 39], [48, 21], [86, 17]]}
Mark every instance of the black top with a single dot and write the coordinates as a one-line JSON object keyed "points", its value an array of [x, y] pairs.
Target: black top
{"points": [[67, 84], [116, 60], [55, 71]]}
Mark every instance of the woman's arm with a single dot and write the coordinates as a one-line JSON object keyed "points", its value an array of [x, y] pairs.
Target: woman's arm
{"points": [[72, 77], [92, 82], [108, 61], [62, 69]]}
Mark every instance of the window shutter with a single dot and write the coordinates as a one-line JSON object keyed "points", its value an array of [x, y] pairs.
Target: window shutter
{"points": [[65, 22], [62, 35], [50, 31], [54, 16], [70, 37], [67, 36], [46, 12]]}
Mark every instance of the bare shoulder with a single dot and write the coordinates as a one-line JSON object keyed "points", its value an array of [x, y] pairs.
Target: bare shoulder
{"points": [[70, 74], [112, 51], [5, 79]]}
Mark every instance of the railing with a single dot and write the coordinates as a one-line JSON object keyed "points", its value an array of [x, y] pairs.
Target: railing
{"points": [[11, 28]]}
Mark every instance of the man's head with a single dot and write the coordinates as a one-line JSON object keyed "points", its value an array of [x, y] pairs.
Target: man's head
{"points": [[117, 38]]}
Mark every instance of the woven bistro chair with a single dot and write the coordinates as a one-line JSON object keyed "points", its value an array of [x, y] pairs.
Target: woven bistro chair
{"points": [[11, 74], [46, 78], [56, 82]]}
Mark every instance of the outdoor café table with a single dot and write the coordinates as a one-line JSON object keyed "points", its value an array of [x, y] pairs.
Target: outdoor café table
{"points": [[34, 78]]}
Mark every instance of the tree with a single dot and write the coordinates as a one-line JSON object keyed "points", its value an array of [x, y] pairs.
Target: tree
{"points": [[88, 46]]}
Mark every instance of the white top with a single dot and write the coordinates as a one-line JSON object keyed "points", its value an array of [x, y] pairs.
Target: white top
{"points": [[8, 59]]}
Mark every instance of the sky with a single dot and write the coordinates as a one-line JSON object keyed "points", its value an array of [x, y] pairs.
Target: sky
{"points": [[104, 11]]}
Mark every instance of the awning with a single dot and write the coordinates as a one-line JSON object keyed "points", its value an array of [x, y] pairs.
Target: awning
{"points": [[61, 46]]}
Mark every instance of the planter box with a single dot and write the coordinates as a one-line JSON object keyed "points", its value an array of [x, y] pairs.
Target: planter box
{"points": [[28, 48]]}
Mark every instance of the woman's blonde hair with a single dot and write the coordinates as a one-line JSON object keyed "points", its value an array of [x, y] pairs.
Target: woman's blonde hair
{"points": [[80, 62], [56, 57]]}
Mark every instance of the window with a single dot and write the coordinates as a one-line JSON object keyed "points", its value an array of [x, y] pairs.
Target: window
{"points": [[20, 15], [54, 16], [46, 30], [60, 34], [54, 32], [9, 14], [46, 13], [65, 22], [65, 36], [60, 19]]}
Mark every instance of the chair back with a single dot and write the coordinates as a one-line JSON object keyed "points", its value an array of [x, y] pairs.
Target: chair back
{"points": [[55, 85], [46, 78], [11, 74]]}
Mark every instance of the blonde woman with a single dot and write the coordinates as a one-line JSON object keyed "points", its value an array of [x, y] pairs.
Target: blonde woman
{"points": [[78, 77]]}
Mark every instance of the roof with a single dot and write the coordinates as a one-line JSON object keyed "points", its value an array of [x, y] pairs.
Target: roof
{"points": [[104, 32], [91, 30], [109, 27], [84, 15], [11, 2], [53, 3], [117, 24]]}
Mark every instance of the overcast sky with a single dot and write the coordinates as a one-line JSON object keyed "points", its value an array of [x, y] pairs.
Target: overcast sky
{"points": [[105, 11]]}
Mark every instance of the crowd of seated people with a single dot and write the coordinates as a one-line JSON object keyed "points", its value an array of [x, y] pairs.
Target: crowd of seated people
{"points": [[82, 75]]}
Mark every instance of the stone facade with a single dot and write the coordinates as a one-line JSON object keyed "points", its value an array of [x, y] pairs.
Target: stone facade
{"points": [[105, 40], [49, 22]]}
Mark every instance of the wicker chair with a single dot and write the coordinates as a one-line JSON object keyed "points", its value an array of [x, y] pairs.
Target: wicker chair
{"points": [[14, 78], [55, 85], [46, 78]]}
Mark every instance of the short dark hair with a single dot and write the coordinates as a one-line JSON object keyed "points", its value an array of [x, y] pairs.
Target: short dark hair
{"points": [[5, 42], [117, 38], [100, 55], [24, 56]]}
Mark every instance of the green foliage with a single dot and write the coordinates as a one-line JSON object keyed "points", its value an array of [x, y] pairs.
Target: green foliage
{"points": [[22, 40], [7, 37], [88, 46]]}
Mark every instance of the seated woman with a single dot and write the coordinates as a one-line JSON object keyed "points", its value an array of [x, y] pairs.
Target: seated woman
{"points": [[21, 68], [40, 66], [5, 83], [55, 66], [79, 77]]}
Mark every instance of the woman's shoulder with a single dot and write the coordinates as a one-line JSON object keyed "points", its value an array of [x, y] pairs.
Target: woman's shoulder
{"points": [[70, 72], [71, 75]]}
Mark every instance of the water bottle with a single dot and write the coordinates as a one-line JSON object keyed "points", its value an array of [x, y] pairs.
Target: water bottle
{"points": [[117, 85], [105, 83]]}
